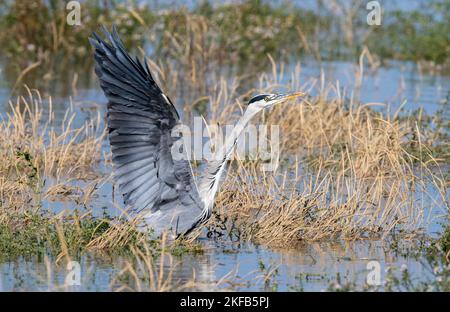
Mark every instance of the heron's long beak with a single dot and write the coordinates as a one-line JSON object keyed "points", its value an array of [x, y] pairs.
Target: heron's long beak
{"points": [[290, 96]]}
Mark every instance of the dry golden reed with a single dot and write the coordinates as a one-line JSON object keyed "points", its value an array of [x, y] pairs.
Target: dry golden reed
{"points": [[42, 157], [347, 171]]}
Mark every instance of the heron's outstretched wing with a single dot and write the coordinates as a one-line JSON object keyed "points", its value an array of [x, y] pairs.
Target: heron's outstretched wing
{"points": [[140, 121]]}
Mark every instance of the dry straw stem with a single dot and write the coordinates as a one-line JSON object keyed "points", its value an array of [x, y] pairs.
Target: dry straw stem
{"points": [[41, 158], [121, 233], [49, 160], [349, 172], [341, 201], [56, 150]]}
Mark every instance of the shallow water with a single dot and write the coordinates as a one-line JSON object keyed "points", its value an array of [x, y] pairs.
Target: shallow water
{"points": [[399, 85], [312, 267]]}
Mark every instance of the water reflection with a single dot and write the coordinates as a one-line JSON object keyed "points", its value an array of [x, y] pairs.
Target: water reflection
{"points": [[312, 267]]}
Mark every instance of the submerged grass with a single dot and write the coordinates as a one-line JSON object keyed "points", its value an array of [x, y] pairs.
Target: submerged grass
{"points": [[142, 273], [434, 257]]}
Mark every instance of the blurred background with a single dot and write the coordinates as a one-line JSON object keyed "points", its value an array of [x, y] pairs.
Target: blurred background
{"points": [[194, 43]]}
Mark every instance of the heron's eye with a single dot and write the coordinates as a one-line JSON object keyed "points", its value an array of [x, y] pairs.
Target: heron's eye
{"points": [[267, 98]]}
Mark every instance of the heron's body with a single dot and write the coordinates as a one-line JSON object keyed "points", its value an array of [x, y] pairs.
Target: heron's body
{"points": [[141, 118]]}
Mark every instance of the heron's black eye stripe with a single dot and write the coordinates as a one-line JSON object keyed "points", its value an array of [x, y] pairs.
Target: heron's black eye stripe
{"points": [[259, 98]]}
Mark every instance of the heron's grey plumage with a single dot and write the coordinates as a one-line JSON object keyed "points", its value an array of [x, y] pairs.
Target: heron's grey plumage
{"points": [[140, 121]]}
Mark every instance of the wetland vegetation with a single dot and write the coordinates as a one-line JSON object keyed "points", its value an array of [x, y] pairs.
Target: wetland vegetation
{"points": [[356, 181]]}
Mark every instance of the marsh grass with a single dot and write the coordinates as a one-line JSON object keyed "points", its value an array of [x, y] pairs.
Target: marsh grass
{"points": [[45, 161], [317, 193], [39, 154], [41, 158], [348, 171]]}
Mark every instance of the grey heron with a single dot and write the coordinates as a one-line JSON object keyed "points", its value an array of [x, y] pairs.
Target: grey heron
{"points": [[162, 190]]}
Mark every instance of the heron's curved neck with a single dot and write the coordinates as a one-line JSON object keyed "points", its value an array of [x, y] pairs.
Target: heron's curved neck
{"points": [[231, 140], [215, 169]]}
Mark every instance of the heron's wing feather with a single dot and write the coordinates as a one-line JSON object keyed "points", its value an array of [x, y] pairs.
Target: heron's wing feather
{"points": [[140, 121]]}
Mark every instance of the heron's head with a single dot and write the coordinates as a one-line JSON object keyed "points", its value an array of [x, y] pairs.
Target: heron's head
{"points": [[262, 101]]}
